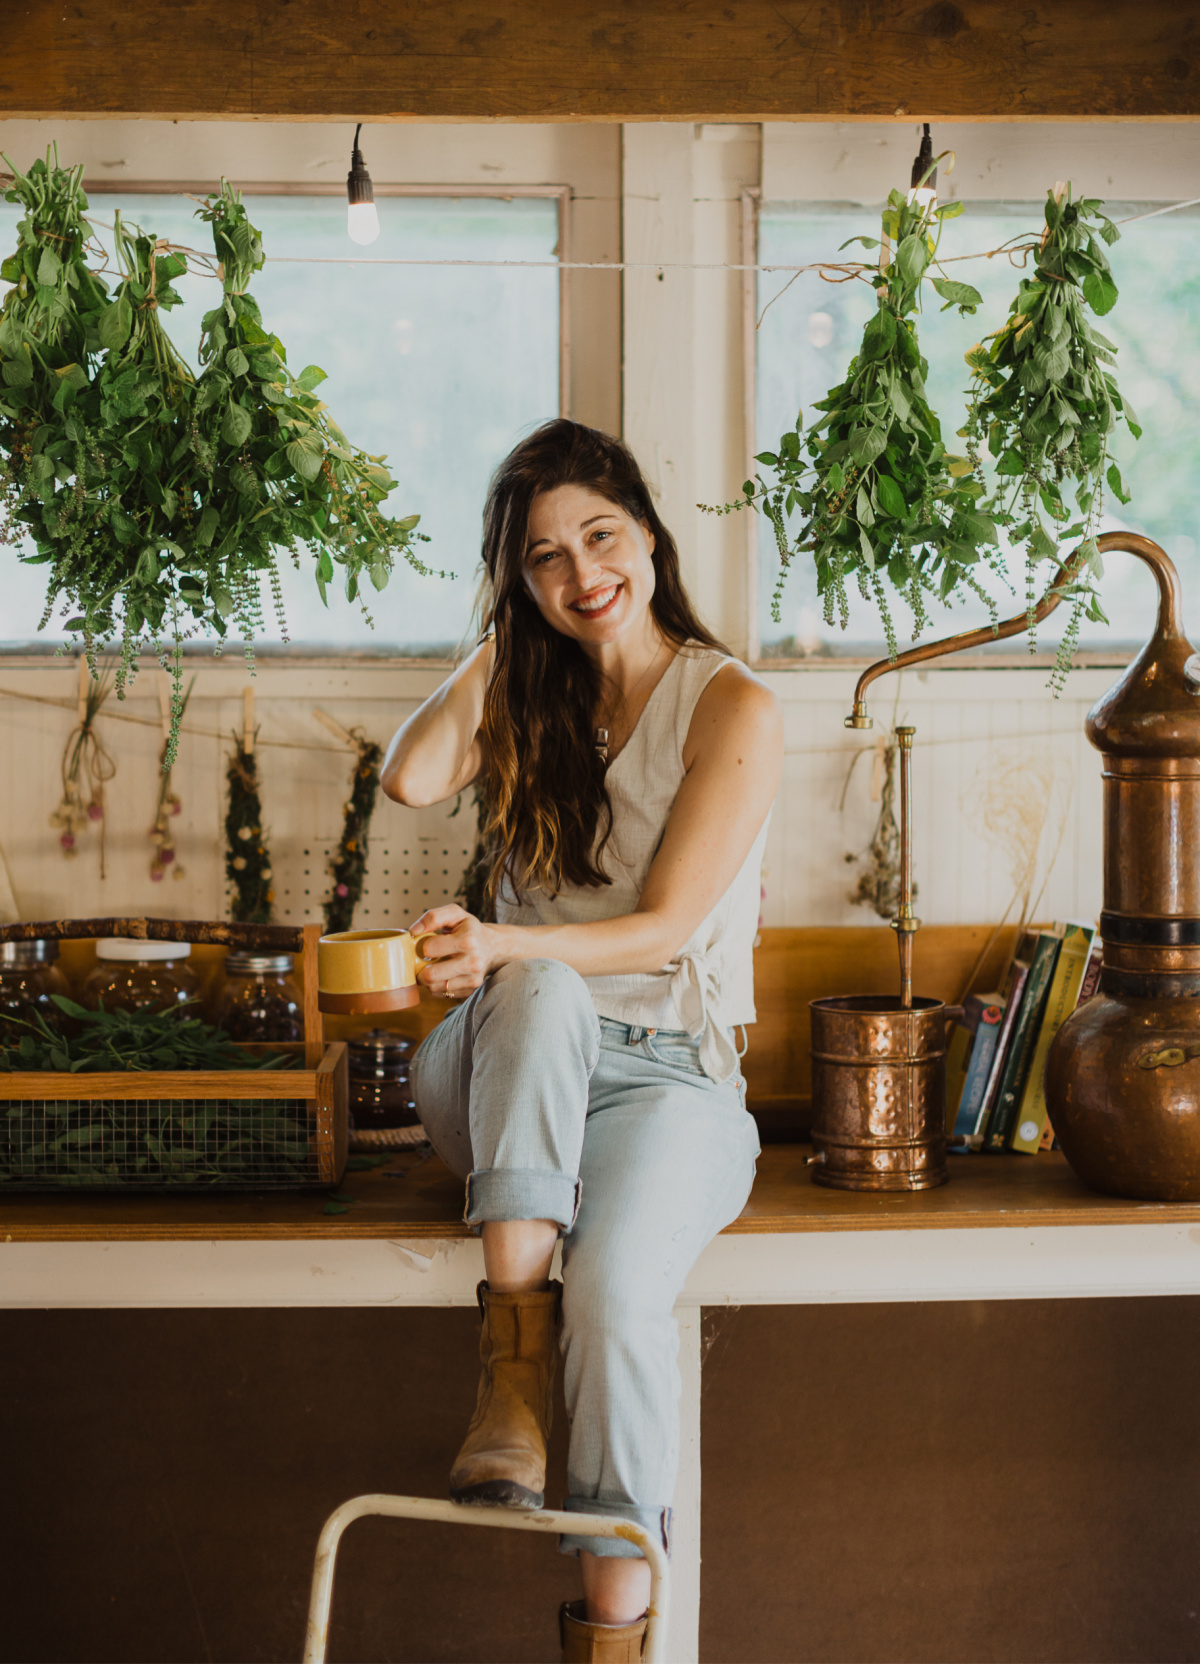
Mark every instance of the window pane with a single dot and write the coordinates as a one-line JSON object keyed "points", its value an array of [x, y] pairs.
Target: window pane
{"points": [[443, 368], [809, 334]]}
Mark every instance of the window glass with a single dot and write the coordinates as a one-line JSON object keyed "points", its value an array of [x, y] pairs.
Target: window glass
{"points": [[809, 334], [443, 368]]}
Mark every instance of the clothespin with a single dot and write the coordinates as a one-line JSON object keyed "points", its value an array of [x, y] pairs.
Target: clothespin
{"points": [[248, 721], [84, 676], [164, 702], [335, 728], [877, 770]]}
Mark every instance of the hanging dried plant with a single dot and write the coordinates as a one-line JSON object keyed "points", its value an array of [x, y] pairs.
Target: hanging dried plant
{"points": [[167, 808], [348, 865], [87, 767], [247, 863]]}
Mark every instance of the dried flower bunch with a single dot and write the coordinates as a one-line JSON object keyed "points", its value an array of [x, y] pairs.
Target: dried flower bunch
{"points": [[247, 863], [87, 767], [348, 865]]}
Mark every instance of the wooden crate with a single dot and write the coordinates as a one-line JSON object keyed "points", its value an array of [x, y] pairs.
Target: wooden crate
{"points": [[259, 1108]]}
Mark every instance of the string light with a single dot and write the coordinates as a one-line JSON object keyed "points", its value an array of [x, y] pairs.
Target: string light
{"points": [[362, 217]]}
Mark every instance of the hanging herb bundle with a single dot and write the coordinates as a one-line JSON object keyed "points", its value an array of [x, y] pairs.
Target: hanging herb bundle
{"points": [[158, 502], [283, 470], [247, 863], [1044, 403], [878, 494], [348, 865], [87, 767], [167, 807]]}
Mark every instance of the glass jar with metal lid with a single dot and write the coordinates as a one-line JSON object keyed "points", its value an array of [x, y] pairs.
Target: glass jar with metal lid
{"points": [[383, 1112], [260, 999], [141, 976], [28, 977]]}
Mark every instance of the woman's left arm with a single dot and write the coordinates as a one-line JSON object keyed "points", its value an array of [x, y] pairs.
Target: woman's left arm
{"points": [[733, 757]]}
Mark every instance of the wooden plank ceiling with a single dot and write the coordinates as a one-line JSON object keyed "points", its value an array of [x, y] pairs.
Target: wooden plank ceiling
{"points": [[602, 60]]}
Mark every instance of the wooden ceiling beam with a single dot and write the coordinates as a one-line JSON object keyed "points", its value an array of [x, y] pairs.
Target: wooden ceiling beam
{"points": [[602, 60]]}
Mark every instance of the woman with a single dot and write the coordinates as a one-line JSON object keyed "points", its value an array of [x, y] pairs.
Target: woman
{"points": [[588, 1086]]}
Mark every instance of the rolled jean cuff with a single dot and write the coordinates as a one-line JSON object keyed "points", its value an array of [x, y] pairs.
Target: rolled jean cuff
{"points": [[500, 1193], [657, 1522]]}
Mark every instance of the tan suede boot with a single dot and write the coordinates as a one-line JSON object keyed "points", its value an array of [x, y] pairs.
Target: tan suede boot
{"points": [[503, 1458], [585, 1643]]}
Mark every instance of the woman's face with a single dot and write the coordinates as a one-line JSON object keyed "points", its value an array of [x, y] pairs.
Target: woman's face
{"points": [[587, 565]]}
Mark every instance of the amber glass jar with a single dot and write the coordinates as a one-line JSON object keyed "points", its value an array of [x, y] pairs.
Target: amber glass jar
{"points": [[260, 999], [380, 1093], [28, 977], [141, 976]]}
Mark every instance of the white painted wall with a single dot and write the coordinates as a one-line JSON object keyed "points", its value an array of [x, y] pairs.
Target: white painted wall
{"points": [[682, 404]]}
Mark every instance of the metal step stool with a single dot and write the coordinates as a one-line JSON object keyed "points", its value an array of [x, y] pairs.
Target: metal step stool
{"points": [[505, 1519]]}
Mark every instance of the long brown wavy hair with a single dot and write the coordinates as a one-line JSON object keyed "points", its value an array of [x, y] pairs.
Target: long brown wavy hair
{"points": [[546, 814]]}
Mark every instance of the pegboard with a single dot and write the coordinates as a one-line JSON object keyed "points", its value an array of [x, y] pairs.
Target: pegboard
{"points": [[404, 877]]}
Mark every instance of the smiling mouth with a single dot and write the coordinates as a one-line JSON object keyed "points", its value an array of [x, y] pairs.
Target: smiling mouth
{"points": [[597, 603]]}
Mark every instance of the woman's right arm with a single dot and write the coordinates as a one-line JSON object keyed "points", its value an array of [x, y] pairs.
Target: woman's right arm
{"points": [[437, 752]]}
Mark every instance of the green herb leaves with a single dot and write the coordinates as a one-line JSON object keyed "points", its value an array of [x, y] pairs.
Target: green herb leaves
{"points": [[878, 496], [1043, 406], [159, 501]]}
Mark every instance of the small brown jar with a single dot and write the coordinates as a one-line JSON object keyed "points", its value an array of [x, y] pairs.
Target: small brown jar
{"points": [[141, 976], [381, 1097], [28, 977], [260, 999]]}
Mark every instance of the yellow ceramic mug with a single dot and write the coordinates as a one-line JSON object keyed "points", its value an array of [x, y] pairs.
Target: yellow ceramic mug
{"points": [[364, 971]]}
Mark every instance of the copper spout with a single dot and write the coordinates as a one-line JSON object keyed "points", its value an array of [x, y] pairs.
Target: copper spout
{"points": [[963, 642], [905, 925]]}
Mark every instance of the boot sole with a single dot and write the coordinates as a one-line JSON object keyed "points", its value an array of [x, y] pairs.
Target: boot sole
{"points": [[498, 1493]]}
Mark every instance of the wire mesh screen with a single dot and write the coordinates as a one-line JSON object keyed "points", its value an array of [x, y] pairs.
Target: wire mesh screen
{"points": [[163, 1143]]}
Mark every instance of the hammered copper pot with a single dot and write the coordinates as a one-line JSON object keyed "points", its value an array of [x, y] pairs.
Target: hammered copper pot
{"points": [[879, 1093], [1123, 1076]]}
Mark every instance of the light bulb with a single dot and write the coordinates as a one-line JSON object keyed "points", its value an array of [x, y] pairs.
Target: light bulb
{"points": [[362, 222], [924, 196], [362, 217]]}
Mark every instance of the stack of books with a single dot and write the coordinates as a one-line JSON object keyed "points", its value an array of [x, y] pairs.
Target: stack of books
{"points": [[996, 1059]]}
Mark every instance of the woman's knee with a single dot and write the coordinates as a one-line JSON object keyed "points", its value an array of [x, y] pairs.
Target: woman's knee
{"points": [[541, 993]]}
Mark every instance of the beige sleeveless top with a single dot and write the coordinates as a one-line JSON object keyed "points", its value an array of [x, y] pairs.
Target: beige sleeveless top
{"points": [[708, 988]]}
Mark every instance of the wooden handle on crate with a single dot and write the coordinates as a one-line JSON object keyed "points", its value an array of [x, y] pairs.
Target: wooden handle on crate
{"points": [[248, 938], [314, 1029]]}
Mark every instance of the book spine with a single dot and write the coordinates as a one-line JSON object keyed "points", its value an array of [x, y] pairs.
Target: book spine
{"points": [[1091, 977], [1069, 970], [978, 1069], [1012, 1010], [1024, 1037]]}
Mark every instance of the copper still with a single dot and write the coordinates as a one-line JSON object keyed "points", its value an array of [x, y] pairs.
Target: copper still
{"points": [[1123, 1075], [878, 1062]]}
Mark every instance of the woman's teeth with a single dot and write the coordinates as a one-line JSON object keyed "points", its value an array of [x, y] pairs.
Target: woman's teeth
{"points": [[597, 602]]}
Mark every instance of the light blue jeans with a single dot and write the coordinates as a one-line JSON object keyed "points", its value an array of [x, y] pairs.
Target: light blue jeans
{"points": [[548, 1111]]}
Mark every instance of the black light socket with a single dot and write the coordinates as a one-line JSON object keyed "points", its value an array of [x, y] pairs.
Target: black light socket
{"points": [[358, 181], [923, 159]]}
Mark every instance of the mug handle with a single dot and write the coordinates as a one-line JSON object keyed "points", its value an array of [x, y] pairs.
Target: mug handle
{"points": [[421, 961]]}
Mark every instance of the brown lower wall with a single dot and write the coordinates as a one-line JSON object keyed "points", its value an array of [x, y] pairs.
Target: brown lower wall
{"points": [[963, 1481]]}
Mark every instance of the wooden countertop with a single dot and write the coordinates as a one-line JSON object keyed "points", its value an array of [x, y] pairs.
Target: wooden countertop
{"points": [[415, 1196]]}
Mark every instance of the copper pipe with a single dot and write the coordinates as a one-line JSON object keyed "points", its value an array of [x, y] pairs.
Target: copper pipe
{"points": [[961, 643], [905, 925]]}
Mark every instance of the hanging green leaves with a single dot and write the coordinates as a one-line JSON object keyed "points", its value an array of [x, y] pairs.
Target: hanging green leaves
{"points": [[1044, 404], [159, 501], [877, 495], [869, 489]]}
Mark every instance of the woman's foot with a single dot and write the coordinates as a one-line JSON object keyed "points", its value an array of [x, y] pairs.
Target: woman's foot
{"points": [[503, 1458]]}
